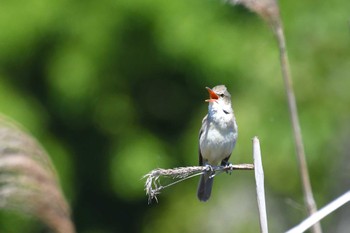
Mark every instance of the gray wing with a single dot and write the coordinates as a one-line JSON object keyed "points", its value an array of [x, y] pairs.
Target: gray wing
{"points": [[204, 126]]}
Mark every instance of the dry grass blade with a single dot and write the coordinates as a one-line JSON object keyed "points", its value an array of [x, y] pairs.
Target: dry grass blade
{"points": [[260, 188], [28, 182], [323, 212]]}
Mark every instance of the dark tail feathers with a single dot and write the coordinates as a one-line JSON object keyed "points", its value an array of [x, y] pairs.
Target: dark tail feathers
{"points": [[205, 186]]}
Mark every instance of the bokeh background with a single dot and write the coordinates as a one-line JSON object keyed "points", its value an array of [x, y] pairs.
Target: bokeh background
{"points": [[114, 89]]}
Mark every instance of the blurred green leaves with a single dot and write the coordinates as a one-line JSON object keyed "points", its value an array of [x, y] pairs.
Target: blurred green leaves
{"points": [[137, 155], [20, 107], [73, 79]]}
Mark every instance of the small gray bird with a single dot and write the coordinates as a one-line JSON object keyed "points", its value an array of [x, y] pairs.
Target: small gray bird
{"points": [[217, 137]]}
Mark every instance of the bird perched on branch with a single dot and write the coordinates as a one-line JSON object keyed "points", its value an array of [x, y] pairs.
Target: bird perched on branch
{"points": [[217, 137]]}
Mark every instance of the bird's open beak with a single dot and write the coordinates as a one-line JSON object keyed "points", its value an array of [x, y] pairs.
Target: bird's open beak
{"points": [[212, 95]]}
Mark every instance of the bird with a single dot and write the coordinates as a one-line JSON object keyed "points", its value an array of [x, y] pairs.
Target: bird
{"points": [[217, 137]]}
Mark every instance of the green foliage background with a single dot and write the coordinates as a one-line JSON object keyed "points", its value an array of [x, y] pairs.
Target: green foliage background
{"points": [[113, 89]]}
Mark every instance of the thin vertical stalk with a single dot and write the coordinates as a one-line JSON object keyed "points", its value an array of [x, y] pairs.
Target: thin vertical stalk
{"points": [[299, 146], [269, 11]]}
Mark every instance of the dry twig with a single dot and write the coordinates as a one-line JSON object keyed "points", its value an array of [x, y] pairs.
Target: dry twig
{"points": [[153, 185]]}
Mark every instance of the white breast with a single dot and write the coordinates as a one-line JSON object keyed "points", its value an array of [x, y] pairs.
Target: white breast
{"points": [[217, 141]]}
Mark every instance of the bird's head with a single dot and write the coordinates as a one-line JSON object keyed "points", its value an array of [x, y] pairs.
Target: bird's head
{"points": [[219, 94]]}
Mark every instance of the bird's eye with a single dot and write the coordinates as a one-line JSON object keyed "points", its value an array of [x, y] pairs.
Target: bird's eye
{"points": [[221, 95]]}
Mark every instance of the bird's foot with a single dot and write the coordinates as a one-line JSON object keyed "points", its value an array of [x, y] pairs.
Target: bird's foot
{"points": [[228, 166], [210, 169]]}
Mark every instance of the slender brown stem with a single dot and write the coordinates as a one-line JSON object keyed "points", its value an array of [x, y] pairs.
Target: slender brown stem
{"points": [[269, 10], [300, 152]]}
